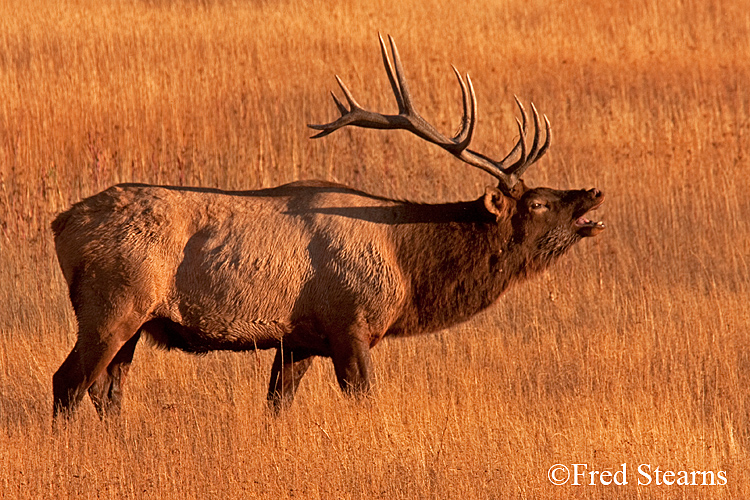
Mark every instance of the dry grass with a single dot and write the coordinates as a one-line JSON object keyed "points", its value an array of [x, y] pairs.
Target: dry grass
{"points": [[635, 348]]}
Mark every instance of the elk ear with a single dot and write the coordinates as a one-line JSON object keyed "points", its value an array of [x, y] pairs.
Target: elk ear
{"points": [[498, 203]]}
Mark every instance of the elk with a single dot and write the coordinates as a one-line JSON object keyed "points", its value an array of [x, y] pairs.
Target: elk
{"points": [[309, 268]]}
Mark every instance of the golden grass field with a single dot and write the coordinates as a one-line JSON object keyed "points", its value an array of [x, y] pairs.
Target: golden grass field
{"points": [[634, 348]]}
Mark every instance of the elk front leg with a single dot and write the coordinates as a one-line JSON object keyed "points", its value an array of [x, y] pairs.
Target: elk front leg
{"points": [[286, 373], [351, 361]]}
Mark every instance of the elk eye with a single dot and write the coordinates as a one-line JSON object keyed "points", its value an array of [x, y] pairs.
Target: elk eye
{"points": [[538, 206]]}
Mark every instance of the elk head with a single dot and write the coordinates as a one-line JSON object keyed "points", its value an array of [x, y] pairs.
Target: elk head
{"points": [[550, 219]]}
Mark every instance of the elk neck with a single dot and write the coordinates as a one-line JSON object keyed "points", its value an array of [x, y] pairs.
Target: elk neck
{"points": [[457, 259]]}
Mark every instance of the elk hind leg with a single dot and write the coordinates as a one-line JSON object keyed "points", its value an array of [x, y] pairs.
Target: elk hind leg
{"points": [[93, 352], [106, 391]]}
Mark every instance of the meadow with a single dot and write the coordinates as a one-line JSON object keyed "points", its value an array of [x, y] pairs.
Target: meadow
{"points": [[634, 348]]}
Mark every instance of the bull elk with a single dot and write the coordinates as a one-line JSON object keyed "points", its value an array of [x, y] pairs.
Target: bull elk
{"points": [[308, 268]]}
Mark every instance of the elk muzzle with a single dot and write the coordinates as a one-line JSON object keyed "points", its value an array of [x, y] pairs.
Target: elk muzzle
{"points": [[591, 200]]}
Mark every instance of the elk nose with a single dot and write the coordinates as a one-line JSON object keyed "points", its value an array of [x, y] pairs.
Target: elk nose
{"points": [[595, 193]]}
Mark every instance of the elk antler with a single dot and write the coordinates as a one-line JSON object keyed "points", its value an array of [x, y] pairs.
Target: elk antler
{"points": [[408, 119]]}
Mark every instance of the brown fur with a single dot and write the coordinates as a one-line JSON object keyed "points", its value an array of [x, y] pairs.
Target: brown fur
{"points": [[309, 268]]}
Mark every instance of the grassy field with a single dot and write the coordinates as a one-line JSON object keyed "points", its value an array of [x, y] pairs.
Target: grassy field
{"points": [[634, 349]]}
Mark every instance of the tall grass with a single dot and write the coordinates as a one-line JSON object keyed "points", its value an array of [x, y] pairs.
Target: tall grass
{"points": [[634, 349]]}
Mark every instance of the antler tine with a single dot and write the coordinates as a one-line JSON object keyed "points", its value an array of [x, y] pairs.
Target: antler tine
{"points": [[353, 104], [547, 133], [521, 141], [405, 94], [540, 151], [535, 143], [391, 78], [523, 114], [468, 120]]}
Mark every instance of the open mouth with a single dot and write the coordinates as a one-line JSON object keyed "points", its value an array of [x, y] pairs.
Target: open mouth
{"points": [[586, 227]]}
